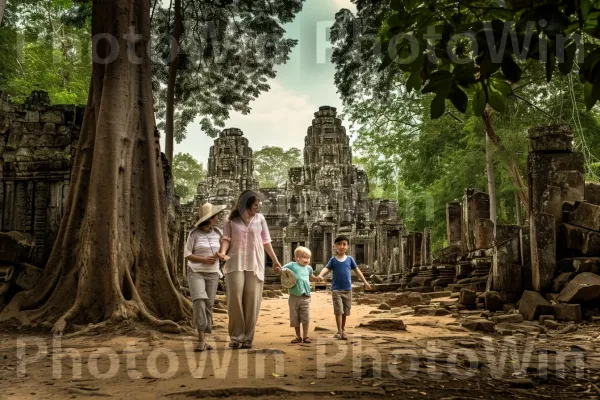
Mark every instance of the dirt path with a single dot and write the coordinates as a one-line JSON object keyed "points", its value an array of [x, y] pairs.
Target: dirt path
{"points": [[433, 358]]}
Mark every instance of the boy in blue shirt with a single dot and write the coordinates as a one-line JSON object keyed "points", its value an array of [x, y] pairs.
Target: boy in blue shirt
{"points": [[299, 300], [341, 283]]}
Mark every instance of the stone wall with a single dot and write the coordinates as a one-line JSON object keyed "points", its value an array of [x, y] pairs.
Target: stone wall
{"points": [[37, 149]]}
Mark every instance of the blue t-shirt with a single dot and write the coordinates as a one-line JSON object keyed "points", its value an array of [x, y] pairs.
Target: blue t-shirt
{"points": [[341, 271]]}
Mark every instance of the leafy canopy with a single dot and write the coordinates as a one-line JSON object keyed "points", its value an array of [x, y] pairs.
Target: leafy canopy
{"points": [[271, 165], [187, 174], [43, 50], [229, 50], [456, 48]]}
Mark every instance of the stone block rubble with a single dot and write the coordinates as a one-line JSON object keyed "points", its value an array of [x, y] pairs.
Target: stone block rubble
{"points": [[547, 269]]}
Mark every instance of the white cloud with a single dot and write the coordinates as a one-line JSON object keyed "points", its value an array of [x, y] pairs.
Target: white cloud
{"points": [[345, 4], [279, 117]]}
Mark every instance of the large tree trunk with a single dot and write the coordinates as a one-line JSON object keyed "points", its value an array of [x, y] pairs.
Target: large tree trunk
{"points": [[2, 6], [174, 65], [110, 261], [512, 167]]}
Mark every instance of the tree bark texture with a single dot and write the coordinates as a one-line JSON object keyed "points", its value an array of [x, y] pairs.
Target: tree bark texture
{"points": [[2, 7], [174, 65], [512, 167], [111, 259], [489, 165]]}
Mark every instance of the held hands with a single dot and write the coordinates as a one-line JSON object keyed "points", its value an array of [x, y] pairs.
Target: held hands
{"points": [[277, 267], [210, 259], [222, 257]]}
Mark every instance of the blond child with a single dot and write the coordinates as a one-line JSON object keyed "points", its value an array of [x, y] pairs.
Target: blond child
{"points": [[299, 300]]}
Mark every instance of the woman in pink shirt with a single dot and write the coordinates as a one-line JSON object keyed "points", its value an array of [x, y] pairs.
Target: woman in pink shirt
{"points": [[246, 237]]}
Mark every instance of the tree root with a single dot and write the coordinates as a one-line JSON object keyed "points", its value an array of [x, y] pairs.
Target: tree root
{"points": [[273, 391]]}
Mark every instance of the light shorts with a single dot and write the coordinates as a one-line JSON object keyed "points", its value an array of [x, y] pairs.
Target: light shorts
{"points": [[299, 310], [342, 301]]}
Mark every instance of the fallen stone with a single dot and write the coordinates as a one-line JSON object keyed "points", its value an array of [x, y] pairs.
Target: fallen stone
{"points": [[479, 324], [433, 311], [493, 301], [586, 215], [532, 305], [406, 299], [544, 318], [384, 306], [15, 246], [561, 281], [437, 295], [508, 329], [568, 329], [582, 239], [377, 312], [467, 297], [511, 318], [384, 325], [579, 265], [584, 288], [551, 324], [568, 312]]}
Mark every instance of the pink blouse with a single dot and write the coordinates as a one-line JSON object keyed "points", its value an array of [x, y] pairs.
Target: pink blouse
{"points": [[246, 249]]}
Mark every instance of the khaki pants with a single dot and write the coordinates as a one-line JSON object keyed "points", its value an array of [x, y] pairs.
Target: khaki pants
{"points": [[244, 294], [203, 290]]}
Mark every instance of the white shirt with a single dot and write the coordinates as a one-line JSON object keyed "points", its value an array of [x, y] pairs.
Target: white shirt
{"points": [[203, 244]]}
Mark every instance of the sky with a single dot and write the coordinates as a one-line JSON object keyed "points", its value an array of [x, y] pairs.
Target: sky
{"points": [[281, 116]]}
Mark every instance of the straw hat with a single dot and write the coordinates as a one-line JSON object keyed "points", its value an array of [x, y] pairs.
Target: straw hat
{"points": [[288, 279], [208, 211]]}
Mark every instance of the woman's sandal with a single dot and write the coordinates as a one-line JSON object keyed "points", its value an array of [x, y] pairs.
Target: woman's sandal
{"points": [[203, 346], [247, 345], [344, 337], [338, 336], [234, 344], [296, 340], [306, 340]]}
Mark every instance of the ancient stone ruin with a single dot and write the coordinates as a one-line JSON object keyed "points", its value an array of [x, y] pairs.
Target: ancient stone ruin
{"points": [[549, 267], [325, 197], [37, 148]]}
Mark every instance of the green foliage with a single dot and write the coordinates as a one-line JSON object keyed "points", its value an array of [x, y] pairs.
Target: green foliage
{"points": [[424, 162], [271, 165], [481, 47], [44, 51], [228, 52], [187, 174]]}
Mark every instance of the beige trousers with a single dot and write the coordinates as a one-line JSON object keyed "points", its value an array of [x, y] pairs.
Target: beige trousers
{"points": [[244, 294]]}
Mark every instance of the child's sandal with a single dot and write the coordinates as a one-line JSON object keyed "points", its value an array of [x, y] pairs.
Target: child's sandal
{"points": [[296, 340], [307, 340]]}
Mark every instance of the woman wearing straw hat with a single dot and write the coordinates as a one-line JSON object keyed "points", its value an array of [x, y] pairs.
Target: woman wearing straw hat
{"points": [[203, 268], [246, 236]]}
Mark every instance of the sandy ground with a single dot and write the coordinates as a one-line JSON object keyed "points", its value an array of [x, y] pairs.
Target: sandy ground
{"points": [[433, 358]]}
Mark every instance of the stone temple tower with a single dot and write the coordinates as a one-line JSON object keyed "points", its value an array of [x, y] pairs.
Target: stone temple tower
{"points": [[230, 168]]}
